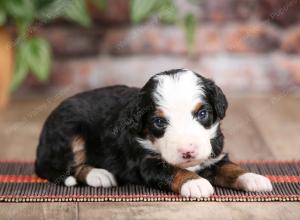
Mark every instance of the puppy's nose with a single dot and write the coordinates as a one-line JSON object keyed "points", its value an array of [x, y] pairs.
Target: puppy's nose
{"points": [[188, 152], [188, 155]]}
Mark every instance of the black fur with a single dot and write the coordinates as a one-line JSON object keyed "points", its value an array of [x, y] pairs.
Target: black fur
{"points": [[216, 98], [109, 120], [217, 143]]}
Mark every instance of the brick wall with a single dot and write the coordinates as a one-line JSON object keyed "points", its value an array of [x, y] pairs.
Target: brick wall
{"points": [[244, 45]]}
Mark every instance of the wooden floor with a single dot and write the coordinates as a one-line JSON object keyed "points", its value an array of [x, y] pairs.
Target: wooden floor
{"points": [[255, 128]]}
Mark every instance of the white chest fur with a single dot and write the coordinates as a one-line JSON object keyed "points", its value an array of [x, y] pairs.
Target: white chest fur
{"points": [[206, 163]]}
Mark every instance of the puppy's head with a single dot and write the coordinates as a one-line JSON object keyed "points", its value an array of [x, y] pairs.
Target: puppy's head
{"points": [[182, 123]]}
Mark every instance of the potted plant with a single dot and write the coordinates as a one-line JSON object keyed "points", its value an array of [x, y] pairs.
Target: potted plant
{"points": [[27, 53]]}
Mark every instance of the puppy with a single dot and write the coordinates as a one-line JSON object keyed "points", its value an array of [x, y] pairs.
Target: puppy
{"points": [[165, 135]]}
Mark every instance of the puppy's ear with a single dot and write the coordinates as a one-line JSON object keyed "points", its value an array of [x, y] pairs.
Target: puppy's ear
{"points": [[216, 98], [134, 112]]}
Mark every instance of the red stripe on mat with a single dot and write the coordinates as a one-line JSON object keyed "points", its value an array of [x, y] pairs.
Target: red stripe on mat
{"points": [[21, 179], [35, 179], [284, 179]]}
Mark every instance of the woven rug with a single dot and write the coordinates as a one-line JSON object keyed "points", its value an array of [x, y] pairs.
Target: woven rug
{"points": [[18, 183]]}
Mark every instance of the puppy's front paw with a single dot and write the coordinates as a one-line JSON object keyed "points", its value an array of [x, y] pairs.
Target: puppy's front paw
{"points": [[253, 182], [197, 188], [100, 177]]}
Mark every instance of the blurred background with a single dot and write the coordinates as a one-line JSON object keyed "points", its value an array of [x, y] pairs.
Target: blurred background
{"points": [[52, 49]]}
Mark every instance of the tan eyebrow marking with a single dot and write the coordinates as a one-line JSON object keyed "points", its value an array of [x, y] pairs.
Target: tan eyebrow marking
{"points": [[197, 107], [159, 113]]}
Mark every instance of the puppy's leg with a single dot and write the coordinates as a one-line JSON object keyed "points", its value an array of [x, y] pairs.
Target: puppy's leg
{"points": [[100, 177], [87, 174], [95, 177], [228, 174], [91, 176], [159, 174], [70, 181]]}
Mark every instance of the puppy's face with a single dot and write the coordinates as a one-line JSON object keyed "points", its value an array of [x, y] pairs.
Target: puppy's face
{"points": [[185, 117]]}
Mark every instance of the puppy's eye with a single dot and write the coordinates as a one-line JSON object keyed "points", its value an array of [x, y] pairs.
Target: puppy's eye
{"points": [[202, 115], [160, 123]]}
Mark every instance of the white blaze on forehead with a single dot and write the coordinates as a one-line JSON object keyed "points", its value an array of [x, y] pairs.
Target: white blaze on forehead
{"points": [[179, 90]]}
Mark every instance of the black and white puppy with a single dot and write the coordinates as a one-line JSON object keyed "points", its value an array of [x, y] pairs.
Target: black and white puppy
{"points": [[166, 135]]}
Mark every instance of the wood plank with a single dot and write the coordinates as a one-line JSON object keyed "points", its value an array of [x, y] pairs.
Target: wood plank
{"points": [[151, 210], [21, 211], [188, 210], [39, 211], [242, 139], [278, 120], [21, 125], [60, 211]]}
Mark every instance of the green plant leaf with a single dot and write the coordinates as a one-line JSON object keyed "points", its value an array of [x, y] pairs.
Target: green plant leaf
{"points": [[141, 9], [51, 9], [22, 27], [23, 12], [21, 68], [76, 11], [190, 24], [31, 55], [38, 57], [20, 9], [167, 12], [2, 16]]}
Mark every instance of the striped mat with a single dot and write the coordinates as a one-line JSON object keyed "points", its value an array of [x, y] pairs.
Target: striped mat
{"points": [[18, 183]]}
